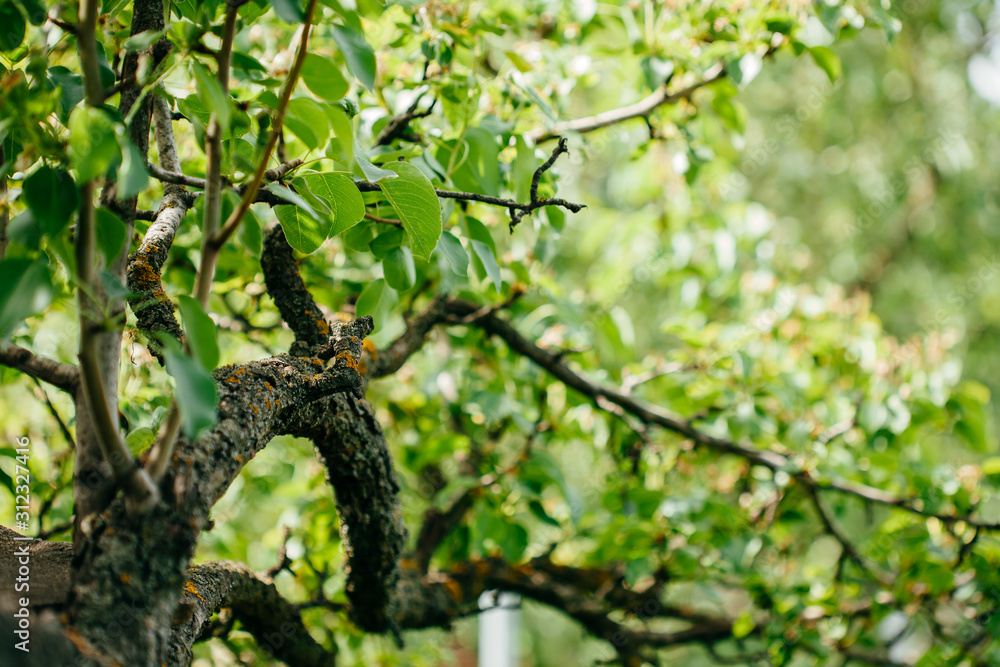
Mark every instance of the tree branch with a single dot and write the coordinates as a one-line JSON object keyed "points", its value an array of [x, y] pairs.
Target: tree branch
{"points": [[396, 127], [153, 309], [59, 375], [274, 622], [213, 174], [115, 570], [140, 488], [640, 109], [615, 401], [250, 196], [294, 302]]}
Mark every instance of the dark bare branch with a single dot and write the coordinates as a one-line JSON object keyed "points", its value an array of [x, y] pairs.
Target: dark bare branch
{"points": [[274, 622], [58, 374]]}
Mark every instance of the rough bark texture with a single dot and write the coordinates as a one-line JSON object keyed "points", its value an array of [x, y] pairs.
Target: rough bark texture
{"points": [[353, 449], [256, 604], [351, 446], [137, 564], [153, 309], [92, 485]]}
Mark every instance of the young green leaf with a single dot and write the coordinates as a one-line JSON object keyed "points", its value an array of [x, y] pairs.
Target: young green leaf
{"points": [[489, 262], [92, 142], [200, 331], [194, 389], [417, 205], [828, 61], [322, 76], [52, 197], [400, 271], [289, 11], [376, 300], [307, 119], [27, 291], [359, 55], [453, 251], [212, 96], [303, 232], [132, 175], [14, 27], [343, 132], [110, 234], [341, 195]]}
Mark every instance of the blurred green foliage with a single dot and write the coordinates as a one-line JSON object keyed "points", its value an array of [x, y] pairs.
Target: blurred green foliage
{"points": [[798, 256]]}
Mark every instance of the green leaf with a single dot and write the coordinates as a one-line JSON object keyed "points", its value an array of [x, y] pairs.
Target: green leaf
{"points": [[322, 76], [71, 89], [417, 205], [110, 234], [289, 11], [35, 11], [194, 390], [343, 130], [373, 173], [132, 175], [731, 112], [200, 332], [453, 251], [743, 625], [342, 196], [27, 290], [52, 197], [212, 96], [359, 55], [14, 27], [489, 262], [93, 145], [828, 61], [140, 439], [386, 241], [292, 197], [375, 300], [303, 232], [308, 121], [143, 40], [400, 271], [249, 234]]}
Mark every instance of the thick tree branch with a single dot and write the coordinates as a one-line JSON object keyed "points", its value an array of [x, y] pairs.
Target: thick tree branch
{"points": [[350, 444], [60, 375], [139, 564], [294, 302], [255, 602]]}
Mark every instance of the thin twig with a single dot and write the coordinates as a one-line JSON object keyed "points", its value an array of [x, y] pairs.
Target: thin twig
{"points": [[219, 239]]}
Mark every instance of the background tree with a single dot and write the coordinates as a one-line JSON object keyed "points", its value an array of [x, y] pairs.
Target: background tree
{"points": [[671, 422]]}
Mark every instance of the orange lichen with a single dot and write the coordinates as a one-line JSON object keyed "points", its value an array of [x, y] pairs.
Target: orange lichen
{"points": [[268, 385], [323, 326], [190, 588], [233, 380], [254, 408], [125, 578], [348, 360]]}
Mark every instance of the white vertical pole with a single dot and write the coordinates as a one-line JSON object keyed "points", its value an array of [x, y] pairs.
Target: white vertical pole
{"points": [[498, 629]]}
